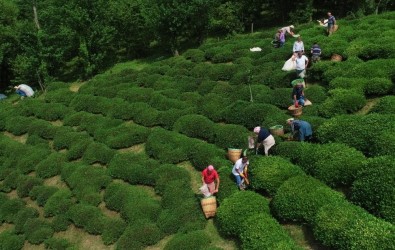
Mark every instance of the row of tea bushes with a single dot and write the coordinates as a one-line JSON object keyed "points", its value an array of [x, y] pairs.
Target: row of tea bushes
{"points": [[372, 134], [332, 163], [172, 147], [370, 87], [373, 188], [305, 199], [246, 216]]}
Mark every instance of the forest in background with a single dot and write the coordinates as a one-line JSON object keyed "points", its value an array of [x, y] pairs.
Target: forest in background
{"points": [[67, 40]]}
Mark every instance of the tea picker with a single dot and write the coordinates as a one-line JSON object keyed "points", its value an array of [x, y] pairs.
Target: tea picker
{"points": [[300, 129], [264, 137], [240, 172]]}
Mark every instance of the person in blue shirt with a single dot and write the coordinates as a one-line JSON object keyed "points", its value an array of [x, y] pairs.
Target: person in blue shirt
{"points": [[301, 129], [315, 53], [265, 138], [298, 95], [331, 23]]}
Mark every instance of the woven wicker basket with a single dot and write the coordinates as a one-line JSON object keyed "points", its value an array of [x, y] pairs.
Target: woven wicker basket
{"points": [[296, 112], [209, 206], [234, 154], [336, 58]]}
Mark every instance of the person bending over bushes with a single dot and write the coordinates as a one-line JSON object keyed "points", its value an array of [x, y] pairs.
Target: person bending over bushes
{"points": [[300, 129], [265, 138], [240, 172], [210, 178]]}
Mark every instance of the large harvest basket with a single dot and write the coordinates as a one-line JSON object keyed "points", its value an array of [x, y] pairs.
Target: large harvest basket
{"points": [[296, 112], [277, 130], [336, 58], [209, 206], [234, 154]]}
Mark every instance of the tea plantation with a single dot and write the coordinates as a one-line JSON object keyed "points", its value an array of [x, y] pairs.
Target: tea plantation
{"points": [[114, 163]]}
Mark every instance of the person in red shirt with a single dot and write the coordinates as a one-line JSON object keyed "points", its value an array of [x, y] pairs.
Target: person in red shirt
{"points": [[211, 178]]}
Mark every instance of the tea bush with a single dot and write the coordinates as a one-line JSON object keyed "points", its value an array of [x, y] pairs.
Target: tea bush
{"points": [[342, 101], [228, 183], [133, 203], [379, 86], [50, 166], [336, 164], [196, 126], [361, 132], [300, 198], [230, 136], [195, 55], [203, 154], [167, 173], [9, 208], [88, 217], [22, 216], [139, 235], [37, 230], [60, 223], [112, 230], [212, 106], [42, 128], [136, 94], [98, 153], [316, 94], [194, 240], [236, 208], [166, 146], [133, 168], [12, 241], [385, 105], [169, 117], [41, 193], [120, 109], [163, 103], [122, 136], [91, 104], [59, 203], [26, 184], [91, 123], [32, 156], [373, 188], [58, 243], [269, 173], [281, 97], [18, 125], [85, 180], [346, 226], [66, 138], [261, 231], [144, 114]]}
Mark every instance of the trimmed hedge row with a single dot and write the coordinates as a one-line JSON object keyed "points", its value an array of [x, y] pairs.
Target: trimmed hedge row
{"points": [[300, 197], [334, 164], [342, 225], [85, 181], [269, 173], [133, 168], [134, 203], [373, 188], [367, 133], [238, 207]]}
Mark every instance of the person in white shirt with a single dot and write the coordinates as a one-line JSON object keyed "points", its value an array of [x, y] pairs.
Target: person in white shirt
{"points": [[298, 46], [288, 30], [24, 90], [301, 62], [238, 170]]}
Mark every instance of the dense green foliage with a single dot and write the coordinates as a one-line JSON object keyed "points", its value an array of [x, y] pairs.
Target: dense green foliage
{"points": [[119, 156]]}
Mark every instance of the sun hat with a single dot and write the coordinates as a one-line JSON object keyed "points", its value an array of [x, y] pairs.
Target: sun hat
{"points": [[210, 168], [291, 26], [290, 119]]}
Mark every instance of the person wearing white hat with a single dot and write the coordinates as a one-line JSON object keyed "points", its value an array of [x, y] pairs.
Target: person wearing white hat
{"points": [[301, 129], [265, 138], [24, 90], [211, 178]]}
